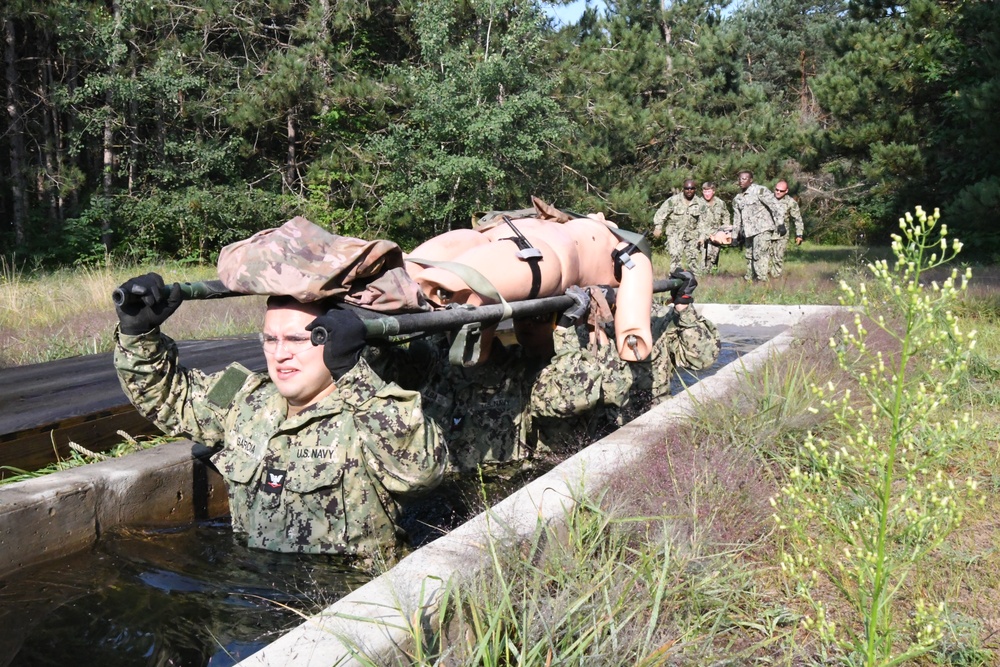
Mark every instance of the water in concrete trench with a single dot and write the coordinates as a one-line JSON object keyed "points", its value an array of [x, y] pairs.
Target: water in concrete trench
{"points": [[193, 595]]}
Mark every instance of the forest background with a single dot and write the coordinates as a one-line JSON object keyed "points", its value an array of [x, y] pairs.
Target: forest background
{"points": [[148, 130]]}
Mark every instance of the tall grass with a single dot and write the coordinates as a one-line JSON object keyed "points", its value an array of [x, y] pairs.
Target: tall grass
{"points": [[44, 317], [640, 599]]}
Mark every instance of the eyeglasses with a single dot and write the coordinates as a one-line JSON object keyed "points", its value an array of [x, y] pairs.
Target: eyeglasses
{"points": [[687, 188], [780, 191], [293, 344]]}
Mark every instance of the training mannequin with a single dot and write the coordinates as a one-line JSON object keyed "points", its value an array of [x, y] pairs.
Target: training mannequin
{"points": [[539, 258]]}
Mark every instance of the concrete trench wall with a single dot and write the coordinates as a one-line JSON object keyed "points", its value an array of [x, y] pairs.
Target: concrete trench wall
{"points": [[56, 515], [59, 514]]}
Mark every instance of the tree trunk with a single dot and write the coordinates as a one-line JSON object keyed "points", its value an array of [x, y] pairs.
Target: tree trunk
{"points": [[107, 181], [324, 64], [109, 166], [291, 168], [71, 199], [18, 157], [50, 143]]}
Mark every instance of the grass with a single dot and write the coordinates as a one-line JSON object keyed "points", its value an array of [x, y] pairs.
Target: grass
{"points": [[67, 313], [678, 562], [80, 456]]}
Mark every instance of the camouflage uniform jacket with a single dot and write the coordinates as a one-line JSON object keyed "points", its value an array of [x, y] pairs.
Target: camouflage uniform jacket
{"points": [[321, 481], [790, 213], [678, 216], [627, 389], [717, 216], [680, 340], [488, 412], [755, 211]]}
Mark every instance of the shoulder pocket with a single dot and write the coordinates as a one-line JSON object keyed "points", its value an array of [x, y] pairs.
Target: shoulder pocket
{"points": [[224, 390]]}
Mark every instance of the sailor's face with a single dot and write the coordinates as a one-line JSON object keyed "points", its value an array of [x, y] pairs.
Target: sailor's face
{"points": [[298, 371]]}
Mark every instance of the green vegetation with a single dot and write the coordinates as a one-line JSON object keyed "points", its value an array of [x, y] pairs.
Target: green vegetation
{"points": [[865, 507], [80, 456], [166, 130]]}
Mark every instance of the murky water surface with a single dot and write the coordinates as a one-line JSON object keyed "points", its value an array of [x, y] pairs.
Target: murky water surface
{"points": [[194, 595]]}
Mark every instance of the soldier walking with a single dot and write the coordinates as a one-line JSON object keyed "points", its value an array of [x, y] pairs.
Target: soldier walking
{"points": [[755, 212], [718, 218], [680, 218], [789, 213]]}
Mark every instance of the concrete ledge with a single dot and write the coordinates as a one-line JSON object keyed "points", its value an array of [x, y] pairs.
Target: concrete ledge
{"points": [[372, 620], [53, 516], [759, 316]]}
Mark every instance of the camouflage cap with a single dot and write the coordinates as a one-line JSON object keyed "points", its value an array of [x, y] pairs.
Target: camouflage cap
{"points": [[302, 260]]}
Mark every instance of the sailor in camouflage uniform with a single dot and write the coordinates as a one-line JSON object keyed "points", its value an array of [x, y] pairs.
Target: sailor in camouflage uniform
{"points": [[790, 213], [486, 411], [681, 339], [756, 214], [315, 451], [681, 218], [717, 218], [556, 391]]}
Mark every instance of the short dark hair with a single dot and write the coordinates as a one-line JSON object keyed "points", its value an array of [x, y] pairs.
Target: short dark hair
{"points": [[744, 171], [318, 306]]}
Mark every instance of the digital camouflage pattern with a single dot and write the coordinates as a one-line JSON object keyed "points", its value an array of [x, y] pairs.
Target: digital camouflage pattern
{"points": [[303, 260], [718, 218], [680, 340], [790, 215], [756, 214], [486, 412], [515, 407], [681, 221], [755, 211], [322, 481], [628, 389]]}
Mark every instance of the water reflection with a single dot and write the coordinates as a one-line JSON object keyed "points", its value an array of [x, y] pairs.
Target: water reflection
{"points": [[186, 596]]}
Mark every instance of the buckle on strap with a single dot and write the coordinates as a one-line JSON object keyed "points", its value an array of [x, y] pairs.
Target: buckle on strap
{"points": [[466, 348], [623, 257]]}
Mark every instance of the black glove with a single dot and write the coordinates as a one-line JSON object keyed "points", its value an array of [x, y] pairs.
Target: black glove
{"points": [[782, 230], [684, 294], [146, 304], [345, 338], [581, 304]]}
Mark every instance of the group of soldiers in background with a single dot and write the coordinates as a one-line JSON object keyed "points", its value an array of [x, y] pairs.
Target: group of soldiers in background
{"points": [[761, 222]]}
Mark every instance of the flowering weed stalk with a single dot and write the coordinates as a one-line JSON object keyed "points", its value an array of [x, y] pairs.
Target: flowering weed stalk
{"points": [[862, 511]]}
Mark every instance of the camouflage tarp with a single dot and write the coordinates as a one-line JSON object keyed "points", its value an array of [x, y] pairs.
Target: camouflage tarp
{"points": [[303, 260]]}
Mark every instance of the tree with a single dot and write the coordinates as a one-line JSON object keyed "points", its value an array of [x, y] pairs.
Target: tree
{"points": [[907, 98], [478, 125]]}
